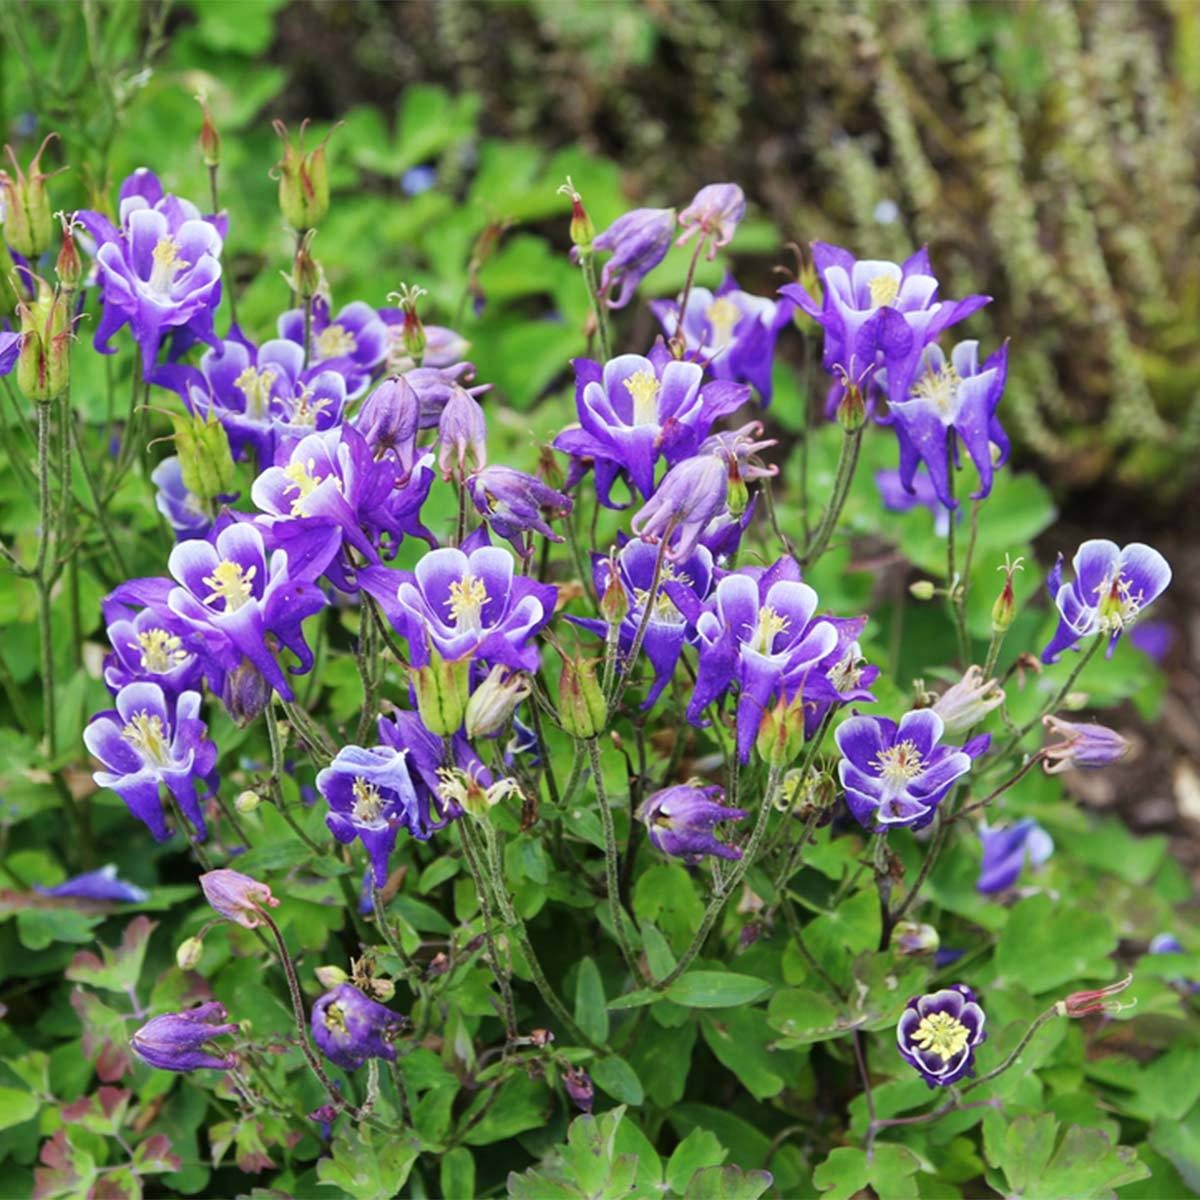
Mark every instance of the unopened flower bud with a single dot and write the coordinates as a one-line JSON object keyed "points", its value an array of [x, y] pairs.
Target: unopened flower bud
{"points": [[1081, 1004], [549, 469], [851, 409], [1081, 746], [237, 896], [69, 266], [923, 589], [28, 224], [715, 211], [246, 693], [493, 701], [412, 332], [381, 989], [579, 1087], [303, 180], [581, 707], [307, 277], [44, 360], [965, 704], [246, 802], [205, 460], [210, 139], [1005, 609], [911, 938], [462, 435], [781, 732], [442, 688], [329, 976], [614, 602], [187, 956], [582, 230]]}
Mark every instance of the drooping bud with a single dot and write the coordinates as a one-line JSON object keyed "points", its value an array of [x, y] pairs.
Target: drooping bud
{"points": [[237, 896], [462, 435], [1081, 1004], [493, 701], [412, 332], [1081, 746], [911, 938], [442, 688], [639, 241], [715, 211], [188, 953], [28, 224], [923, 589], [581, 708], [965, 704], [69, 266], [205, 459], [303, 180], [44, 360], [329, 976], [582, 230], [210, 139], [246, 693], [179, 1041], [246, 802], [1005, 609], [781, 731], [390, 420]]}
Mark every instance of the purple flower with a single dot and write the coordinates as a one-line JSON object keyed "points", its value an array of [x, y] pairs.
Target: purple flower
{"points": [[177, 1041], [237, 897], [350, 1027], [1168, 943], [692, 496], [579, 1087], [878, 314], [512, 503], [10, 350], [160, 270], [462, 434], [389, 420], [233, 598], [1110, 589], [1005, 852], [716, 211], [937, 1033], [1153, 638], [263, 396], [97, 885], [639, 241], [681, 820], [435, 385], [730, 331], [667, 628], [898, 774], [1082, 745], [922, 494], [147, 741], [465, 603], [154, 647], [183, 510], [353, 343], [948, 401]]}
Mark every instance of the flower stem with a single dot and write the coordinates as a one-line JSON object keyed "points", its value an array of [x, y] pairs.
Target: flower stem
{"points": [[49, 710], [955, 600], [587, 264], [678, 341], [1017, 1050], [627, 663], [847, 462], [1059, 697]]}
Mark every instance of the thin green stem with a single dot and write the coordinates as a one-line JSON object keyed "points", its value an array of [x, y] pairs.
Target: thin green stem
{"points": [[1017, 1050], [847, 462], [1059, 696], [587, 266], [45, 518]]}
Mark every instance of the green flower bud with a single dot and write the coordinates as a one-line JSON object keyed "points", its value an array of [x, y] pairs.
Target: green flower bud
{"points": [[582, 230], [210, 139], [28, 224], [246, 802], [581, 707], [331, 977], [303, 180], [1004, 611], [187, 956], [443, 689], [11, 291], [44, 360], [851, 409], [614, 604], [205, 459], [923, 589], [69, 266]]}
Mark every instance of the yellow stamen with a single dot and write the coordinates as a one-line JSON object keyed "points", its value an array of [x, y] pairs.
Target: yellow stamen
{"points": [[1118, 606], [334, 341], [665, 608], [335, 1020], [368, 803], [770, 623], [940, 388], [255, 385], [467, 598], [942, 1034], [146, 735], [231, 583], [161, 651], [883, 289], [899, 763], [723, 315], [644, 387], [306, 410], [167, 264], [303, 481]]}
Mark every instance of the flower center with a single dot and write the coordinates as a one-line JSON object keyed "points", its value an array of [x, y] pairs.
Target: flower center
{"points": [[334, 341], [848, 672], [167, 264], [665, 608], [306, 410], [255, 385], [770, 623], [335, 1019], [899, 764], [161, 651], [940, 389], [1118, 606], [368, 803], [942, 1034], [644, 387], [146, 735], [467, 598], [883, 290], [230, 582], [723, 315], [303, 481]]}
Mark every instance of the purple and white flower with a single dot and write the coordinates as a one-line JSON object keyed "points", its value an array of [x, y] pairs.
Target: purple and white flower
{"points": [[353, 343], [516, 505], [1081, 745], [639, 241], [937, 1034], [184, 510], [102, 884], [689, 503], [153, 647], [681, 819]]}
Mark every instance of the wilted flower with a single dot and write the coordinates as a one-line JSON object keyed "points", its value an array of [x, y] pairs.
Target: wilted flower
{"points": [[349, 1027], [102, 884], [898, 774], [639, 241], [177, 1041], [1110, 589], [1082, 745], [493, 701], [1005, 852], [937, 1033], [579, 1087], [964, 705], [716, 211], [681, 821], [237, 897], [513, 504]]}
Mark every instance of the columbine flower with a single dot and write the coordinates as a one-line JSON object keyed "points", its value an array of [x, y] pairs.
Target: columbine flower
{"points": [[898, 774], [681, 820], [951, 400], [513, 503], [389, 420], [465, 604], [1081, 746], [160, 270], [1110, 589], [634, 410], [177, 1041], [350, 1027], [147, 741], [730, 331], [264, 396], [237, 897], [639, 241], [632, 573], [154, 647], [877, 314], [462, 435], [353, 343], [579, 1087], [716, 211], [1005, 852], [897, 498], [937, 1033], [690, 498], [97, 885], [435, 385], [964, 705], [184, 510]]}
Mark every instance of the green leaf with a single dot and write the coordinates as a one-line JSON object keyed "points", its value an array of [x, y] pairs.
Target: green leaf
{"points": [[369, 1165], [698, 1150], [457, 1173], [618, 1079], [40, 927], [739, 1039], [727, 1183], [16, 1106], [846, 1172], [522, 1104], [716, 989], [663, 1062], [1045, 945], [590, 1010], [805, 1016], [115, 970]]}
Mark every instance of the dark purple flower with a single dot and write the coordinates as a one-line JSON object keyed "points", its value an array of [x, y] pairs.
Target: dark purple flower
{"points": [[898, 774], [183, 510], [897, 498], [515, 505], [160, 270], [639, 241], [1082, 745], [692, 496], [947, 402], [350, 1027], [937, 1033], [1005, 852], [730, 331], [716, 211], [1112, 586], [155, 647], [147, 741], [681, 820], [579, 1087], [97, 885], [635, 410], [177, 1041], [389, 420], [353, 343]]}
